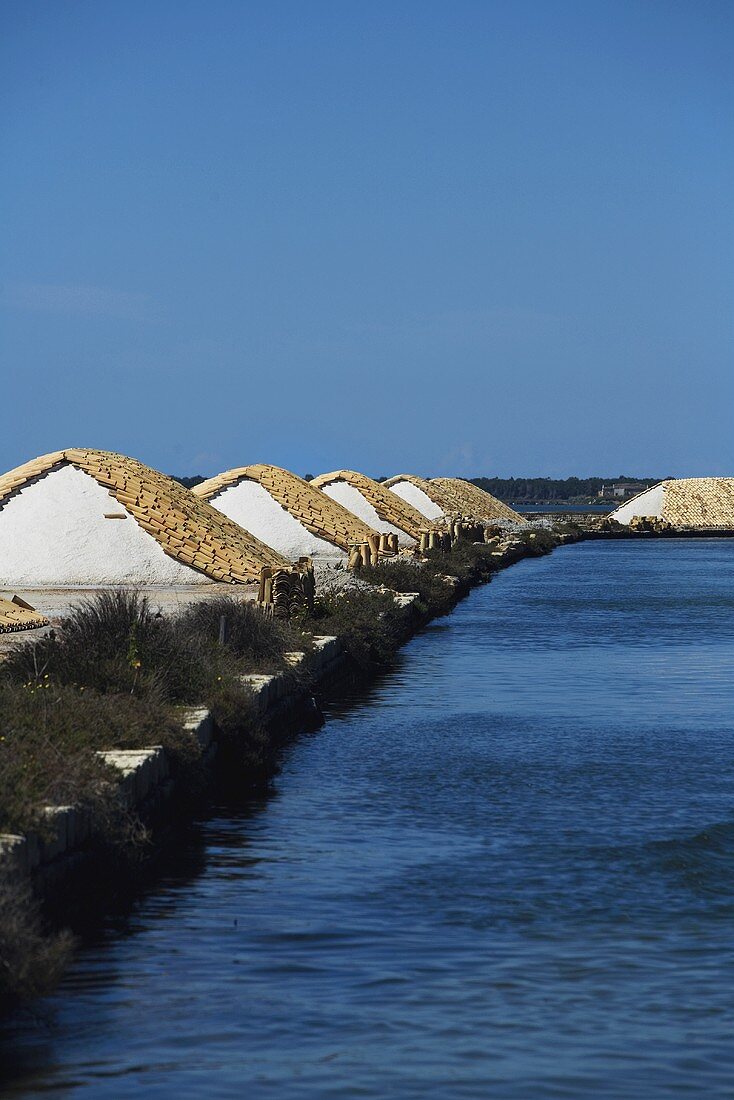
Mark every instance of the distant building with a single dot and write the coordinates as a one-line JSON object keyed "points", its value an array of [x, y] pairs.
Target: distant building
{"points": [[621, 490]]}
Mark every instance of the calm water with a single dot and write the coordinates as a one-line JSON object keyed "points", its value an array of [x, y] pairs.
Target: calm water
{"points": [[507, 872]]}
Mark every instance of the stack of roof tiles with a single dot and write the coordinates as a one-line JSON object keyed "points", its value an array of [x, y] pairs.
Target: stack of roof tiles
{"points": [[187, 528], [389, 506], [18, 616], [470, 500], [318, 513]]}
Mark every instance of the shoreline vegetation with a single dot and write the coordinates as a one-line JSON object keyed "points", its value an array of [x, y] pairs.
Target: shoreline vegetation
{"points": [[119, 676]]}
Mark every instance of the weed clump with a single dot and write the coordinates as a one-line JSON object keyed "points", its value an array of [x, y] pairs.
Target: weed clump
{"points": [[250, 637], [471, 562], [114, 643], [244, 740], [49, 737]]}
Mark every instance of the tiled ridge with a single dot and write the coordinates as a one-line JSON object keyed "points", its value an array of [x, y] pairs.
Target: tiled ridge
{"points": [[432, 491], [389, 506], [322, 516], [472, 500], [187, 528]]}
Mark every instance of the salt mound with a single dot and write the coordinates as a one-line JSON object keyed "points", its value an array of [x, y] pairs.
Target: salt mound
{"points": [[285, 512], [85, 517], [379, 507], [696, 503], [470, 500], [421, 494]]}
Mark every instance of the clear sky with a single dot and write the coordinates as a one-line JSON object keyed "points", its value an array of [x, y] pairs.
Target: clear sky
{"points": [[474, 238]]}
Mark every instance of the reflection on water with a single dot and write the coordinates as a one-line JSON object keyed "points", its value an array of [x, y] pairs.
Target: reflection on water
{"points": [[506, 870]]}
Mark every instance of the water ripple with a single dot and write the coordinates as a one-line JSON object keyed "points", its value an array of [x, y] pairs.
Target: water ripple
{"points": [[505, 870]]}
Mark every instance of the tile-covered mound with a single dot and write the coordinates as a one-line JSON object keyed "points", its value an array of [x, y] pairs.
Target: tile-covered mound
{"points": [[470, 500], [694, 503], [187, 529], [422, 494], [389, 507], [311, 509]]}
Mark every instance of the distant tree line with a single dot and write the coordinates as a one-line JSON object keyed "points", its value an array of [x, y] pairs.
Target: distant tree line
{"points": [[537, 490], [521, 490], [189, 482]]}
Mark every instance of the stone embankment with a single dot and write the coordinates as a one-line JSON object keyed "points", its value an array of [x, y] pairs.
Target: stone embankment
{"points": [[145, 782]]}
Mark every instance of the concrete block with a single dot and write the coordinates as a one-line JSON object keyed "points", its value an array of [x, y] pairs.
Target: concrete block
{"points": [[61, 839], [263, 689], [14, 852], [327, 651], [140, 771], [200, 724]]}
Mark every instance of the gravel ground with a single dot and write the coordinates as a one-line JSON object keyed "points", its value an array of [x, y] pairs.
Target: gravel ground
{"points": [[335, 577]]}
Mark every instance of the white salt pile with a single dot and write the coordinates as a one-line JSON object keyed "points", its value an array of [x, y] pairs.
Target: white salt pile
{"points": [[411, 489], [252, 506], [692, 503], [56, 531], [285, 512], [86, 518], [647, 504]]}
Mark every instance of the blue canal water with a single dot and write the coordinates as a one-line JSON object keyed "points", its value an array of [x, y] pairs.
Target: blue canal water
{"points": [[506, 870]]}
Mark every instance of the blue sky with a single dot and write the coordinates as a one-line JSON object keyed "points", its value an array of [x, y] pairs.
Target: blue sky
{"points": [[474, 238]]}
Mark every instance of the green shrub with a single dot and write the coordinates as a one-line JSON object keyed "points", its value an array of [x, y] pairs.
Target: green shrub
{"points": [[369, 624], [49, 735], [436, 595], [469, 561], [539, 540], [115, 643], [244, 738]]}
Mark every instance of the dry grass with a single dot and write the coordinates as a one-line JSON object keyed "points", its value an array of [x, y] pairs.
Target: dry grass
{"points": [[250, 637]]}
